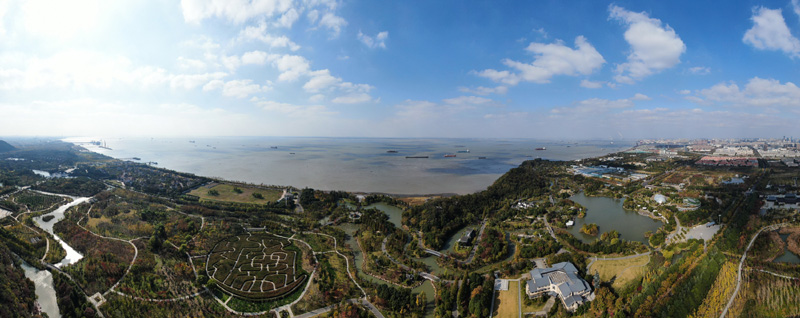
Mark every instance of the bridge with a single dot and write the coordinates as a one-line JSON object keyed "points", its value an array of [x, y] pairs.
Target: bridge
{"points": [[429, 276], [432, 252]]}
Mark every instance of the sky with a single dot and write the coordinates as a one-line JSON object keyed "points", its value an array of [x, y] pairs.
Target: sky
{"points": [[360, 68]]}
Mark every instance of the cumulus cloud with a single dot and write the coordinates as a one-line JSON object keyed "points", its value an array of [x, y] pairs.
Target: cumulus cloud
{"points": [[590, 84], [480, 90], [354, 98], [550, 60], [333, 23], [654, 46], [236, 88], [597, 106], [758, 92], [379, 41], [769, 32], [237, 11], [700, 70], [259, 33]]}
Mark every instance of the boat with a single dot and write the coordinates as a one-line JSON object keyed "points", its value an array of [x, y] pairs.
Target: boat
{"points": [[481, 157], [463, 151], [391, 151], [291, 153], [541, 148], [450, 156], [273, 147], [191, 141], [416, 157]]}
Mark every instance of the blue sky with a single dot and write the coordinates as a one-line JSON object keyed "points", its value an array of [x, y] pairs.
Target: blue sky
{"points": [[528, 69]]}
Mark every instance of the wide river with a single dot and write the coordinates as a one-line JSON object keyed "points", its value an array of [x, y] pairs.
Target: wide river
{"points": [[351, 164]]}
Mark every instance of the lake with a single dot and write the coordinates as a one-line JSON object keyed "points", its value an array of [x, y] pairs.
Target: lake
{"points": [[609, 215], [351, 164]]}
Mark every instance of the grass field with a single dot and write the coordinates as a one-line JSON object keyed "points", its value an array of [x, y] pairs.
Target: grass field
{"points": [[506, 305], [625, 270], [227, 193]]}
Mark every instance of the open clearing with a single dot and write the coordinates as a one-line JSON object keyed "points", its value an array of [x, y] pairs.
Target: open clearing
{"points": [[625, 269], [507, 303], [256, 266], [227, 194]]}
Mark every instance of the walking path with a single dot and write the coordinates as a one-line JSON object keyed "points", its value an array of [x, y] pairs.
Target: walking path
{"points": [[741, 264]]}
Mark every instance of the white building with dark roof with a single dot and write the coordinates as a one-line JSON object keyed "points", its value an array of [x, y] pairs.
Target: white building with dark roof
{"points": [[561, 281]]}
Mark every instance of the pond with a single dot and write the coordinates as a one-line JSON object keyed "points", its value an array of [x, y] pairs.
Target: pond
{"points": [[73, 256], [609, 215], [788, 256], [43, 284]]}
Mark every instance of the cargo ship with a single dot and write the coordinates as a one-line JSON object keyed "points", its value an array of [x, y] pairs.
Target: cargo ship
{"points": [[450, 156], [541, 148], [273, 147], [391, 151], [463, 151], [416, 157], [481, 157]]}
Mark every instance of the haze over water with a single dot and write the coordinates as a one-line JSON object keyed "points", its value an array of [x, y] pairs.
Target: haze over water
{"points": [[352, 164]]}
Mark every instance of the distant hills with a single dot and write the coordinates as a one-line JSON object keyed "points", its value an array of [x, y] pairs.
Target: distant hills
{"points": [[4, 146]]}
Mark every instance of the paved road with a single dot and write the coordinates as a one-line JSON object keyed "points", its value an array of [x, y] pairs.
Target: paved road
{"points": [[741, 264]]}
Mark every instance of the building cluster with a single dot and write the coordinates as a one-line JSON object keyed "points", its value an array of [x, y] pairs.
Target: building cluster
{"points": [[606, 172], [728, 161], [734, 151], [560, 281]]}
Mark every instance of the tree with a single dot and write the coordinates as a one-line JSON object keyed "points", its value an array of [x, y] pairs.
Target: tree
{"points": [[258, 196], [213, 193]]}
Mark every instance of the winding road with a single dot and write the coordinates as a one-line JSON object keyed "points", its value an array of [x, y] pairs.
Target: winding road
{"points": [[741, 265]]}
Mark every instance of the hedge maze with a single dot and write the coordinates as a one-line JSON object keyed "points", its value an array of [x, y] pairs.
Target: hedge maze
{"points": [[256, 266]]}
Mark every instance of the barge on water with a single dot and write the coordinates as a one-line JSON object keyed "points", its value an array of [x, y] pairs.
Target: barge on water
{"points": [[416, 157]]}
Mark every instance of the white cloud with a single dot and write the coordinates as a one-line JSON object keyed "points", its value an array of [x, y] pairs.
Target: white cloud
{"points": [[769, 32], [468, 100], [259, 33], [288, 19], [291, 110], [237, 11], [700, 70], [231, 62], [685, 92], [332, 22], [551, 60], [379, 41], [313, 16], [254, 57], [654, 47], [590, 84], [191, 64], [321, 80], [597, 106], [480, 90], [355, 98], [757, 93], [796, 7], [290, 66], [192, 81], [236, 88]]}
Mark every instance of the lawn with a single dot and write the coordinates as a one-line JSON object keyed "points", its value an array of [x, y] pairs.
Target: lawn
{"points": [[506, 305], [625, 270], [226, 193]]}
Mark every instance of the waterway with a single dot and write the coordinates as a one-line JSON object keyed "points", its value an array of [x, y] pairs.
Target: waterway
{"points": [[609, 215], [45, 293], [43, 279], [788, 256], [73, 256]]}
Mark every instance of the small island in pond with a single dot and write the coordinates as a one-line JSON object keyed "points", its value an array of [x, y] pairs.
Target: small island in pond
{"points": [[590, 229]]}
